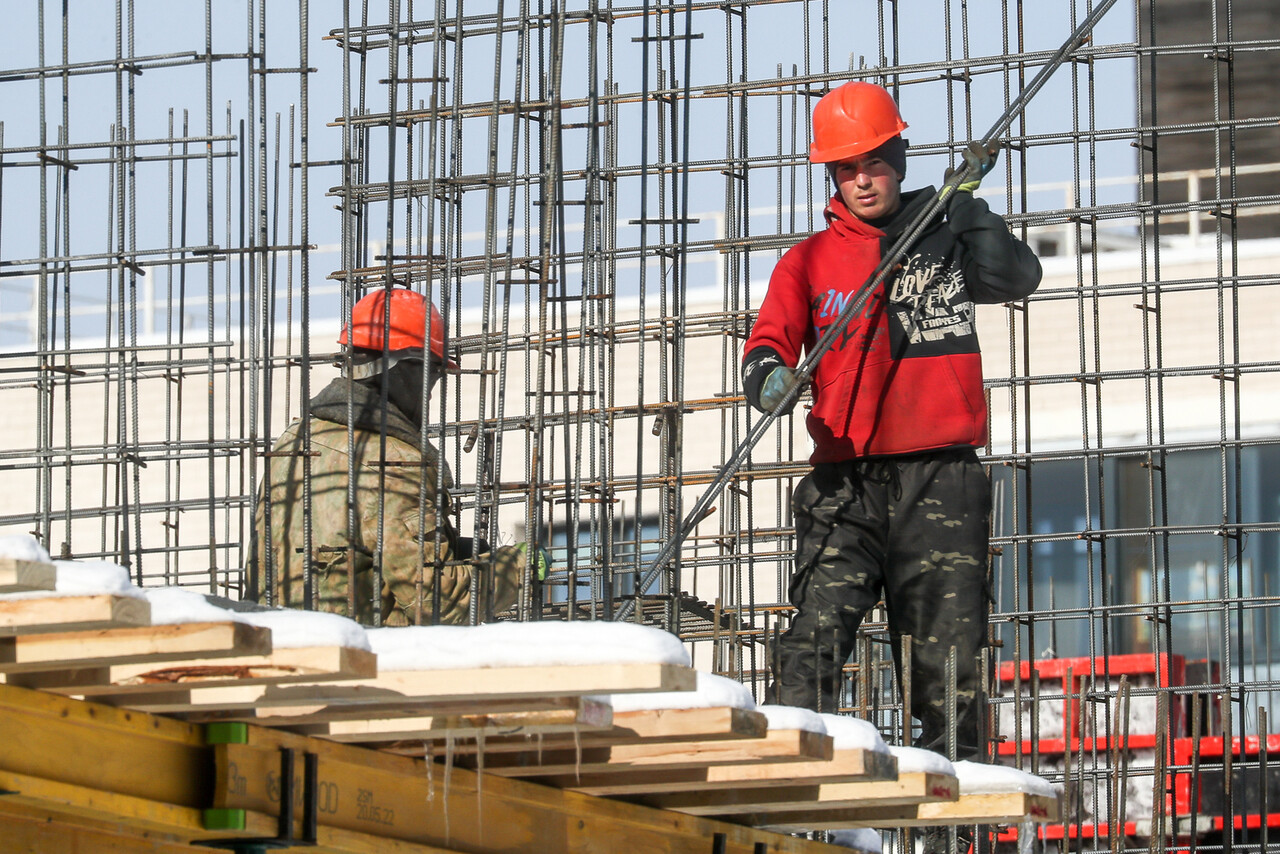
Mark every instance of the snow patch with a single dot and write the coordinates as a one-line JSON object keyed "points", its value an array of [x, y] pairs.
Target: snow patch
{"points": [[1089, 799], [289, 629], [979, 779], [85, 578], [792, 717], [23, 547], [860, 838], [82, 579], [542, 644], [173, 605], [91, 577], [853, 733], [1050, 712], [713, 692], [1142, 717], [915, 760], [299, 629]]}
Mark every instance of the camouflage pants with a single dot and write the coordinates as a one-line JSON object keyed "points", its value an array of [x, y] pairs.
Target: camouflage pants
{"points": [[913, 529]]}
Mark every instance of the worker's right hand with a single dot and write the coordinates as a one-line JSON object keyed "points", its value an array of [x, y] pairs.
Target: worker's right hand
{"points": [[776, 385]]}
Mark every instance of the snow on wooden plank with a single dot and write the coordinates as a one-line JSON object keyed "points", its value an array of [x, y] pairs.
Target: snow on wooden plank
{"points": [[60, 650], [419, 731], [775, 746], [844, 765], [17, 576], [478, 686], [525, 645], [72, 613], [981, 778], [909, 788], [118, 683], [987, 808]]}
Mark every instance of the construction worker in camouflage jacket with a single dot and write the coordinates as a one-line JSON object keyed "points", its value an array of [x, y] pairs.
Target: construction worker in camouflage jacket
{"points": [[370, 423]]}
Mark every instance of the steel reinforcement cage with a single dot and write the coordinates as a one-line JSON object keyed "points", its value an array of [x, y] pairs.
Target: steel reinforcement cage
{"points": [[193, 197]]}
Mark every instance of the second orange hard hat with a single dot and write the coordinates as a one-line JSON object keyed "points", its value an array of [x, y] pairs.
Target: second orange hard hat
{"points": [[408, 323], [853, 119]]}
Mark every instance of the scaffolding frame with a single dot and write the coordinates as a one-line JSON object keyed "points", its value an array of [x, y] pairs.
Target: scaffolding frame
{"points": [[591, 196]]}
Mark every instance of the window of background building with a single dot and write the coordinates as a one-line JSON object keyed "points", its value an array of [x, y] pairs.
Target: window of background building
{"points": [[590, 568], [1106, 524]]}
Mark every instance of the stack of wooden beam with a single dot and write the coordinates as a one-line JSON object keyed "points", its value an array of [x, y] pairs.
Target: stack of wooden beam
{"points": [[547, 724]]}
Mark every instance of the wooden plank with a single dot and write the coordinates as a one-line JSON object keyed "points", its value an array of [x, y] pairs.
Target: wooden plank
{"points": [[477, 686], [690, 724], [583, 715], [666, 725], [402, 798], [19, 576], [910, 788], [72, 613], [297, 717], [844, 765], [1003, 808], [775, 746], [61, 650], [119, 683]]}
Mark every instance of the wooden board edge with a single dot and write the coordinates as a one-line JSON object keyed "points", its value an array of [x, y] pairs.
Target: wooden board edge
{"points": [[21, 576]]}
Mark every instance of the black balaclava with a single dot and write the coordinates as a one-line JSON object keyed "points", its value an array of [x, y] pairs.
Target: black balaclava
{"points": [[404, 387]]}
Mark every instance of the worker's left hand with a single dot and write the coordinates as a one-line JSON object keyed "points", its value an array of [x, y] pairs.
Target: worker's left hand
{"points": [[775, 388], [541, 561], [980, 160]]}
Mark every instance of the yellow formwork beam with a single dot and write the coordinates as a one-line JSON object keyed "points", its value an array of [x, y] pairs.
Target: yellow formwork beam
{"points": [[102, 771], [403, 798], [103, 748]]}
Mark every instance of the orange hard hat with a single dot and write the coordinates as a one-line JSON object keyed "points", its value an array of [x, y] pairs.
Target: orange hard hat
{"points": [[853, 119], [408, 323]]}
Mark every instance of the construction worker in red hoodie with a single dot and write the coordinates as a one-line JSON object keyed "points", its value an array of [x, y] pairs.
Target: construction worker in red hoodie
{"points": [[897, 505]]}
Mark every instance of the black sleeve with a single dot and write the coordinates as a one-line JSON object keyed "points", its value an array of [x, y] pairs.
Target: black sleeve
{"points": [[468, 548], [756, 365], [998, 267]]}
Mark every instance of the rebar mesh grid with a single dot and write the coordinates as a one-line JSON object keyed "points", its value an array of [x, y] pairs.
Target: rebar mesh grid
{"points": [[594, 196]]}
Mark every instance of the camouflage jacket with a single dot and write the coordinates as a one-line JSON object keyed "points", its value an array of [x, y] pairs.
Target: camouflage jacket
{"points": [[413, 565]]}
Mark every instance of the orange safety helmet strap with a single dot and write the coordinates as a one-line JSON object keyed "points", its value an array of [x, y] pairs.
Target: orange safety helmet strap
{"points": [[369, 329], [853, 119]]}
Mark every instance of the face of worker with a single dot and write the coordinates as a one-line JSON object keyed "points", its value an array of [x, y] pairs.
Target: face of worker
{"points": [[869, 186], [404, 386]]}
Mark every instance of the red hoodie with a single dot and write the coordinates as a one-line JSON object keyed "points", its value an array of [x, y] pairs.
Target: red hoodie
{"points": [[905, 375]]}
